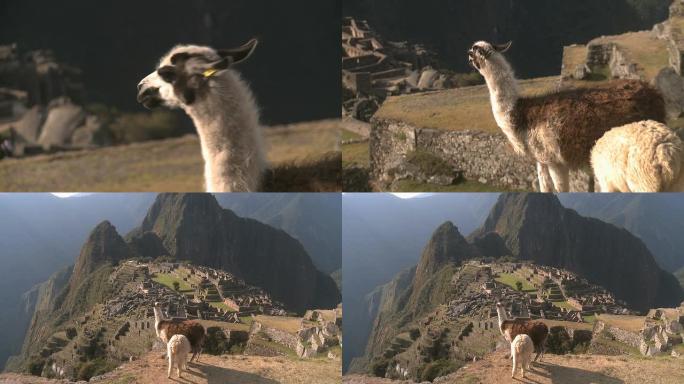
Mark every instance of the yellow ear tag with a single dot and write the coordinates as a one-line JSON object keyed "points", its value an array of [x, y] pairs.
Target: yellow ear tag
{"points": [[209, 72]]}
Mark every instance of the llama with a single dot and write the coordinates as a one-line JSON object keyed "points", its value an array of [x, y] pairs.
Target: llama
{"points": [[521, 351], [166, 329], [178, 349], [537, 330], [202, 81], [559, 129], [640, 157]]}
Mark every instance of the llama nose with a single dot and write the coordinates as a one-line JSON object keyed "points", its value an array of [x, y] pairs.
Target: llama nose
{"points": [[147, 93]]}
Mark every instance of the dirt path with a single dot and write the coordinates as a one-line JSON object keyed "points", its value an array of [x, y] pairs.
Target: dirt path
{"points": [[556, 369], [162, 165], [151, 369]]}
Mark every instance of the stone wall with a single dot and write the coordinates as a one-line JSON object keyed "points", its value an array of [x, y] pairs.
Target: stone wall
{"points": [[480, 156], [626, 337]]}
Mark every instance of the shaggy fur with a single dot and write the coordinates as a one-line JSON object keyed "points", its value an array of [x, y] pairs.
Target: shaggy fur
{"points": [[521, 351], [640, 157], [201, 81], [559, 129], [537, 330], [178, 349], [193, 330]]}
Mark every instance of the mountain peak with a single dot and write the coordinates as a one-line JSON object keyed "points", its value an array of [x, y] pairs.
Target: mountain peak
{"points": [[446, 245], [104, 244]]}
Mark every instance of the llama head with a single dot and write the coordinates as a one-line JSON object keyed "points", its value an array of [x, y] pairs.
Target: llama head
{"points": [[185, 74], [482, 53]]}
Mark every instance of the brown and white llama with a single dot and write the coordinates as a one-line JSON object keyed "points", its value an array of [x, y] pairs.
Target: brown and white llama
{"points": [[536, 330], [166, 329], [640, 157], [559, 129], [178, 349]]}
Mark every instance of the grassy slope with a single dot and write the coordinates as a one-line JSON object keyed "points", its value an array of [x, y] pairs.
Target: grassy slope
{"points": [[164, 165]]}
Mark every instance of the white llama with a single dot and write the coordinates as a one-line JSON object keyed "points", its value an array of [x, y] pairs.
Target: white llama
{"points": [[202, 82], [640, 157], [559, 129], [522, 348], [178, 349]]}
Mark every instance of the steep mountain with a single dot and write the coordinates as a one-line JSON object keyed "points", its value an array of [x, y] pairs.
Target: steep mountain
{"points": [[656, 219], [40, 234], [415, 292], [680, 276], [447, 245], [72, 291], [314, 222], [194, 227], [538, 28], [537, 227], [383, 235]]}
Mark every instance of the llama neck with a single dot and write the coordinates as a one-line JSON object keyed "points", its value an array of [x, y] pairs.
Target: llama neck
{"points": [[503, 95], [227, 122], [157, 319], [501, 314]]}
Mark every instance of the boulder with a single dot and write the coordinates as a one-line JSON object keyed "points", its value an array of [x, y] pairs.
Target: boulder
{"points": [[427, 79], [671, 85], [90, 134], [62, 120], [28, 127]]}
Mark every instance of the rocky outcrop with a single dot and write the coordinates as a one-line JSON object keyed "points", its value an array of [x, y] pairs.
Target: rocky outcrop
{"points": [[104, 245], [40, 101], [537, 227], [194, 227], [446, 245]]}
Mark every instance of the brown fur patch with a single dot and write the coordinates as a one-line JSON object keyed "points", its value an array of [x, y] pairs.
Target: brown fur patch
{"points": [[193, 330], [536, 330], [581, 116]]}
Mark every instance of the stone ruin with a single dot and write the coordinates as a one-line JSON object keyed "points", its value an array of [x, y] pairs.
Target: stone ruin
{"points": [[212, 285], [373, 69], [317, 335], [663, 332], [40, 104]]}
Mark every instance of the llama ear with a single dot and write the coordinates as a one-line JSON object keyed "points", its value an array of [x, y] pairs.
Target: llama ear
{"points": [[239, 54], [503, 47]]}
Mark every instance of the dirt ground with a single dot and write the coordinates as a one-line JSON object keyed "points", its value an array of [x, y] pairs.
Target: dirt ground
{"points": [[228, 369], [162, 165], [557, 369]]}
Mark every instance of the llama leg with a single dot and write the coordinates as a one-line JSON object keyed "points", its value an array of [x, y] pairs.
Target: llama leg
{"points": [[514, 365], [544, 178], [170, 366], [560, 175]]}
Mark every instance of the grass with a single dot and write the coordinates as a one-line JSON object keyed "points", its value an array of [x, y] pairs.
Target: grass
{"points": [[590, 319], [629, 323], [357, 154], [287, 324], [466, 108], [349, 135], [511, 280], [275, 347], [564, 304], [220, 305], [162, 165], [168, 280]]}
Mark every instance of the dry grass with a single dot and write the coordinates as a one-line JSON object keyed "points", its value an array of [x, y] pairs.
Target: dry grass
{"points": [[165, 165], [574, 56], [284, 323], [628, 323], [465, 108]]}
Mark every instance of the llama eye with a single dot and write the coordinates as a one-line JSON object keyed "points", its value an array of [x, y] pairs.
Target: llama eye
{"points": [[167, 73]]}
